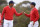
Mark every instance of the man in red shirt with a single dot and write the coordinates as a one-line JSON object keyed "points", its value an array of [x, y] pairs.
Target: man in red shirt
{"points": [[8, 13], [34, 16]]}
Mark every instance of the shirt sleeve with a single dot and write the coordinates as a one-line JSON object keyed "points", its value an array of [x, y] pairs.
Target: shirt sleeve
{"points": [[3, 13], [28, 15], [36, 15], [17, 14]]}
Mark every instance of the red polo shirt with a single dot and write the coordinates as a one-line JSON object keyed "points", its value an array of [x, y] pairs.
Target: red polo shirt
{"points": [[9, 12], [34, 15]]}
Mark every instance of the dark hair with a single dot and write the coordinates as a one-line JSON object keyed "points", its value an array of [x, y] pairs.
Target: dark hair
{"points": [[11, 2], [33, 3]]}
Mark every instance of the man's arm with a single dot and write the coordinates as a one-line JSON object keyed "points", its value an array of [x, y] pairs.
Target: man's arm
{"points": [[28, 15], [36, 15], [18, 14], [3, 13]]}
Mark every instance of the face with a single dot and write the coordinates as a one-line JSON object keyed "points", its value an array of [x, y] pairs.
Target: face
{"points": [[11, 5], [31, 6]]}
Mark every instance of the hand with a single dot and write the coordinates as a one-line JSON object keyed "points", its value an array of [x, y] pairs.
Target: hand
{"points": [[24, 13]]}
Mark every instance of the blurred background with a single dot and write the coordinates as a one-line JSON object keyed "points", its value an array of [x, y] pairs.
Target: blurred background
{"points": [[21, 5]]}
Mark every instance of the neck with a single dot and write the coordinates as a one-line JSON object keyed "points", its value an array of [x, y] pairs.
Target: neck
{"points": [[10, 7]]}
